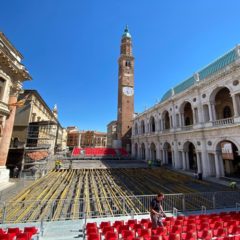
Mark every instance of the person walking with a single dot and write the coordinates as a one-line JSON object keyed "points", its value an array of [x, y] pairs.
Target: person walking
{"points": [[15, 172], [156, 211]]}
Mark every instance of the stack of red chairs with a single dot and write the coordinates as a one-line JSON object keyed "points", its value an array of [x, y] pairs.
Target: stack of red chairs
{"points": [[76, 151], [17, 234], [223, 226]]}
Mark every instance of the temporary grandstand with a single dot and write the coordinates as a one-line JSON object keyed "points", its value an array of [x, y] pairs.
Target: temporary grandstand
{"points": [[99, 153], [63, 202]]}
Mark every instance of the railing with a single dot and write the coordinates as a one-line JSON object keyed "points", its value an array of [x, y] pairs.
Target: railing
{"points": [[225, 121], [65, 209], [187, 128]]}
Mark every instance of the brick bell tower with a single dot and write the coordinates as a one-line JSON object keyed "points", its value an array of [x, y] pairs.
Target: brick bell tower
{"points": [[125, 92]]}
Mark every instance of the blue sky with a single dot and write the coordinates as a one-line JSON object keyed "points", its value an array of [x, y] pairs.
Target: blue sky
{"points": [[71, 48]]}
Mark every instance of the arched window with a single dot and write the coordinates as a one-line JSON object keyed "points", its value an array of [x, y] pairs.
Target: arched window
{"points": [[227, 112], [128, 63], [136, 129], [152, 124], [142, 127]]}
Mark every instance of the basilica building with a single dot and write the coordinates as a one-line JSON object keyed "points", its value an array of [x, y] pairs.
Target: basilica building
{"points": [[196, 125]]}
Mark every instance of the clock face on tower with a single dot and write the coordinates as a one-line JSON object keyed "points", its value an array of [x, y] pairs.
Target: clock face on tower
{"points": [[128, 91]]}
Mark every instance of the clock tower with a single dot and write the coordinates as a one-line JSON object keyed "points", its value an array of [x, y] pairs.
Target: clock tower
{"points": [[125, 91]]}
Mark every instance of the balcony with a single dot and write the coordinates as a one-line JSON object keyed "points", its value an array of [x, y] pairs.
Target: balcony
{"points": [[187, 128], [222, 122], [4, 108]]}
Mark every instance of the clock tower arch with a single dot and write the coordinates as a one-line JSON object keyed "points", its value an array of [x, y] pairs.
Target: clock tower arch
{"points": [[125, 91]]}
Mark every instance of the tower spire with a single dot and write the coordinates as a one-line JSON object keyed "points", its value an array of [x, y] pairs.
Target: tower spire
{"points": [[126, 33]]}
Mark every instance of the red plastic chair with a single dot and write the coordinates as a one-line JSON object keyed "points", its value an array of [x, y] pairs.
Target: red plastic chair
{"points": [[123, 228], [105, 224], [220, 232], [2, 231], [107, 229], [176, 229], [127, 234], [23, 236], [93, 236], [156, 238], [145, 233], [111, 236], [117, 224], [205, 234], [92, 230], [14, 230], [137, 228], [189, 228], [174, 236], [230, 223], [216, 225], [160, 231], [91, 225], [189, 236], [7, 236], [32, 230], [145, 222], [203, 226], [131, 222], [226, 238], [178, 222], [234, 231], [181, 218]]}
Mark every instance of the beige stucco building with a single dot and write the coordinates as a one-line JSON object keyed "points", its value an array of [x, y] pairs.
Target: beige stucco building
{"points": [[37, 132], [12, 75], [196, 125]]}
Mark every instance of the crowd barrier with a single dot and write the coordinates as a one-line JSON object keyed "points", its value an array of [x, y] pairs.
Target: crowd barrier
{"points": [[80, 208]]}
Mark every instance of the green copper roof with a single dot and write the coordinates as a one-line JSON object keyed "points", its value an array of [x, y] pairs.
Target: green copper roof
{"points": [[209, 70], [126, 32]]}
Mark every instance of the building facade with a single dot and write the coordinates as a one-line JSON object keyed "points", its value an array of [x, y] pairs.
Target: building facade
{"points": [[83, 139], [36, 132], [196, 125], [12, 75], [125, 92], [111, 133]]}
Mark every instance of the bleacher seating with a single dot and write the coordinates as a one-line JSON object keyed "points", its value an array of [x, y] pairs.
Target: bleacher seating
{"points": [[17, 234], [224, 226], [94, 152], [76, 152]]}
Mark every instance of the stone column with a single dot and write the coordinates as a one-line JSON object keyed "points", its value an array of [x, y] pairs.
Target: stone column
{"points": [[217, 165], [173, 160], [184, 160], [133, 149], [235, 108], [213, 111], [194, 117], [210, 112], [187, 160], [7, 134], [176, 158], [164, 156], [182, 120], [205, 159], [199, 165]]}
